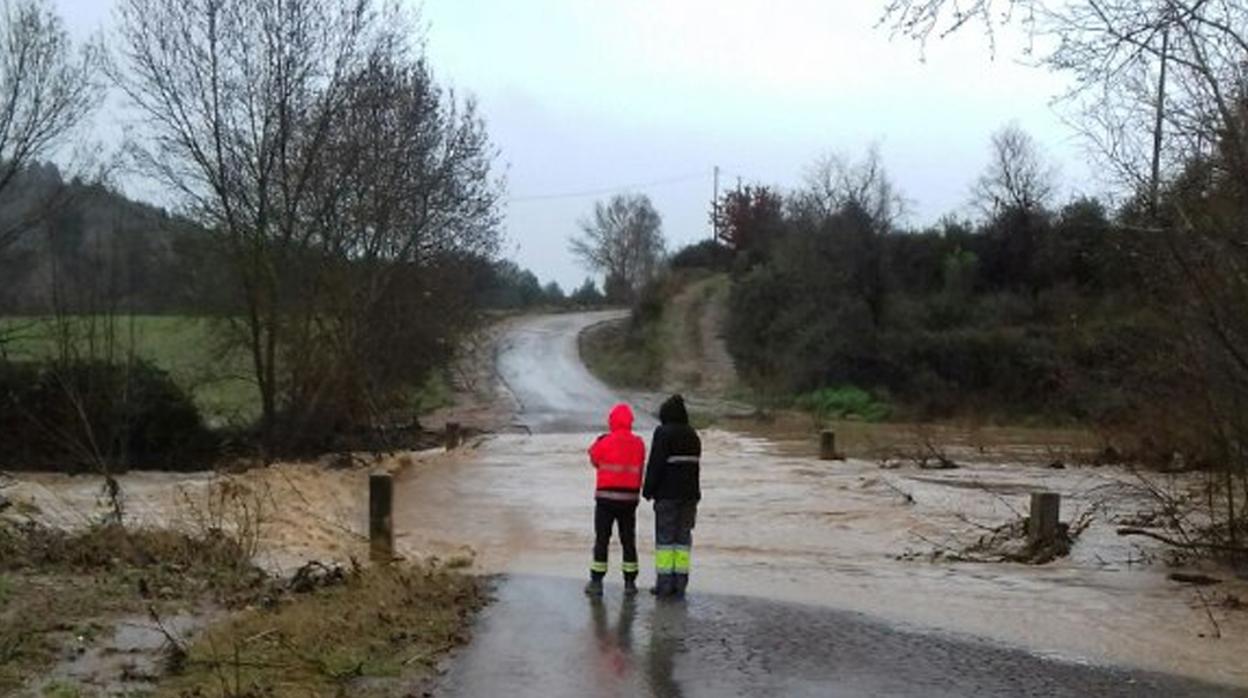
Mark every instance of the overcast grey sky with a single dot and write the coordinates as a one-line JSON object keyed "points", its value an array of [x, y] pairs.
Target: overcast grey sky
{"points": [[649, 95]]}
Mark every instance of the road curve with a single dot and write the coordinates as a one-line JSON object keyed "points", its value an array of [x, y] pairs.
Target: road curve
{"points": [[540, 364]]}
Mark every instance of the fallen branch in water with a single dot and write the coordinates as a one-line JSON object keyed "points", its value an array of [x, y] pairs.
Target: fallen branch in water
{"points": [[1217, 547]]}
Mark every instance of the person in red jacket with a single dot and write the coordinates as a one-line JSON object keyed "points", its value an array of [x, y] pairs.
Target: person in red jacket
{"points": [[619, 458]]}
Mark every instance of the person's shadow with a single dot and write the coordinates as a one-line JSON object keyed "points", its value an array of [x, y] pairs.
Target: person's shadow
{"points": [[667, 637], [615, 645]]}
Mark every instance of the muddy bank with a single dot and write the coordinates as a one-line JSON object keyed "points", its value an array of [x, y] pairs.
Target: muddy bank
{"points": [[294, 512], [98, 609]]}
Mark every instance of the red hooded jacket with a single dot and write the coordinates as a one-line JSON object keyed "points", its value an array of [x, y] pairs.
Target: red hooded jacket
{"points": [[619, 458]]}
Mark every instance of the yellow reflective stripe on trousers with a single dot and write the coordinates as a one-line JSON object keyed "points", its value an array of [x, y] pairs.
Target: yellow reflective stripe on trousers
{"points": [[596, 566], [630, 567], [680, 560], [664, 560]]}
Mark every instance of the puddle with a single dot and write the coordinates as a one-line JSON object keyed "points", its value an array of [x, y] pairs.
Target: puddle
{"points": [[123, 661]]}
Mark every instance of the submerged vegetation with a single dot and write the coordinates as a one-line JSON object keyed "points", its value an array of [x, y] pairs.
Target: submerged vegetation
{"points": [[217, 623]]}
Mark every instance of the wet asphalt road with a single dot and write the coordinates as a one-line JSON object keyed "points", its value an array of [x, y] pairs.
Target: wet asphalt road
{"points": [[543, 637], [540, 364]]}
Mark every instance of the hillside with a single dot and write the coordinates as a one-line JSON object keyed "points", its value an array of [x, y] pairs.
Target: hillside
{"points": [[88, 247], [673, 343]]}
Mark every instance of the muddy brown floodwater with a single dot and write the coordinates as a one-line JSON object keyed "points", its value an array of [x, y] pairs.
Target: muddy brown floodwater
{"points": [[781, 526], [828, 535], [799, 552]]}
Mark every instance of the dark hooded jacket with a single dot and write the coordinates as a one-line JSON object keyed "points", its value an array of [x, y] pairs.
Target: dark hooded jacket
{"points": [[673, 471]]}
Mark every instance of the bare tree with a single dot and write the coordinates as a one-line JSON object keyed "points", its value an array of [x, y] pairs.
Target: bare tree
{"points": [[836, 182], [407, 195], [1155, 82], [623, 240], [920, 19], [308, 135], [1017, 177], [239, 98], [47, 88]]}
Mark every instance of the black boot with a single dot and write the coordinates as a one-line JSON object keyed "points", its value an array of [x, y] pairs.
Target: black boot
{"points": [[630, 584], [594, 588], [680, 583], [662, 586]]}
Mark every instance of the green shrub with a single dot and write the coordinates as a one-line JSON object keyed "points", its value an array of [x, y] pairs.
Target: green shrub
{"points": [[83, 414], [707, 254], [847, 402]]}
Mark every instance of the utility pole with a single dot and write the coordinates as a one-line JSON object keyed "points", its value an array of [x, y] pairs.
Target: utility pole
{"points": [[1155, 184], [715, 208]]}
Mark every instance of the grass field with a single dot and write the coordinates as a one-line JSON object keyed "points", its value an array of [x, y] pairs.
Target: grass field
{"points": [[189, 348]]}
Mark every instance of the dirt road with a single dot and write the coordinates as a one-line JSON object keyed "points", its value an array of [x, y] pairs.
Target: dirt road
{"points": [[798, 589]]}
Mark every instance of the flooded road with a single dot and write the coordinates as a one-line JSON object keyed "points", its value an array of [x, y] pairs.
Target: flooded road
{"points": [[788, 553]]}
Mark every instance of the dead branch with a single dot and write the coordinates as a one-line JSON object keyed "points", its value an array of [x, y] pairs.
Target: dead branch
{"points": [[1189, 545]]}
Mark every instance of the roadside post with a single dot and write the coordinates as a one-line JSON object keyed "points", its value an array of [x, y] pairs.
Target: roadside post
{"points": [[454, 436], [381, 517], [1045, 514], [827, 446]]}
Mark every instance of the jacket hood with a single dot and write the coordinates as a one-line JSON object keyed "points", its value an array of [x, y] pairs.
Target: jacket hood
{"points": [[621, 418], [673, 411]]}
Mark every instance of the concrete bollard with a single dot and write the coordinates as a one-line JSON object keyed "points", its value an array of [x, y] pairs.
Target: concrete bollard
{"points": [[381, 517], [454, 436], [827, 446], [1045, 514]]}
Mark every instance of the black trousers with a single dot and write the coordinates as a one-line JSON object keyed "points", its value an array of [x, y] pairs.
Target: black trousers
{"points": [[607, 515]]}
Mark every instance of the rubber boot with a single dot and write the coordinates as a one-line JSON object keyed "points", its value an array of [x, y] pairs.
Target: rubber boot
{"points": [[594, 588], [662, 586], [630, 584], [679, 585]]}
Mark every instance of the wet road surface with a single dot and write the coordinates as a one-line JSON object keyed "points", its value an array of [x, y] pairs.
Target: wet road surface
{"points": [[540, 364], [798, 589], [542, 637]]}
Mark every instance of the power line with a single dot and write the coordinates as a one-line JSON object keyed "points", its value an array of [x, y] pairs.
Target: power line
{"points": [[610, 190]]}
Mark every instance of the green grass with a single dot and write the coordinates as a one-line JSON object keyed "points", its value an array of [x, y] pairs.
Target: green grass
{"points": [[383, 626], [845, 402], [62, 689], [621, 357], [435, 394], [189, 348]]}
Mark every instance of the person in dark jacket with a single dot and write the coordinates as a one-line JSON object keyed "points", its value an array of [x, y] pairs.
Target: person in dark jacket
{"points": [[673, 481]]}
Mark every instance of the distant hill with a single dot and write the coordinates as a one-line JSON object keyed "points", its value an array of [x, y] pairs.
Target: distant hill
{"points": [[85, 247]]}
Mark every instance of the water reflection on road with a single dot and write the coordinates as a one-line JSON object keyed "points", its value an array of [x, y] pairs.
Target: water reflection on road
{"points": [[543, 638]]}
